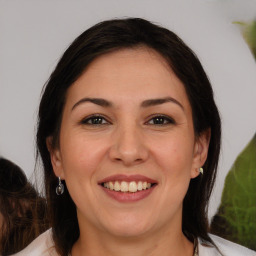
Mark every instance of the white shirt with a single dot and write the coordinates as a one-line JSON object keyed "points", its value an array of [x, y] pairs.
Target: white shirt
{"points": [[44, 246]]}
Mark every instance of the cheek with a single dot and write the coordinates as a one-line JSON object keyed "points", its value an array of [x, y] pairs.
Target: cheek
{"points": [[81, 157], [175, 158], [175, 154]]}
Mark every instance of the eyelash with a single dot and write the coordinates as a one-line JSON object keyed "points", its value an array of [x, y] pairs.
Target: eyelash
{"points": [[89, 120], [157, 119], [166, 120]]}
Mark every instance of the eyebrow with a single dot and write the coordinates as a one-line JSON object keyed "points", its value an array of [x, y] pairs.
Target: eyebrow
{"points": [[154, 102], [97, 101], [146, 103]]}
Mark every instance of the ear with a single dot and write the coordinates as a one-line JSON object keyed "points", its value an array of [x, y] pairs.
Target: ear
{"points": [[56, 160], [200, 151]]}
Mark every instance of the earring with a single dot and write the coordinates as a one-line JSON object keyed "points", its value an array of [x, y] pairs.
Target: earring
{"points": [[60, 188], [201, 170]]}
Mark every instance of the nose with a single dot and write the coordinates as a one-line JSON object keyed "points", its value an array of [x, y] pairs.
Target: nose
{"points": [[128, 146]]}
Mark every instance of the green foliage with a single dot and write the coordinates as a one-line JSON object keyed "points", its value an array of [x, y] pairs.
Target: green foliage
{"points": [[249, 33], [236, 216]]}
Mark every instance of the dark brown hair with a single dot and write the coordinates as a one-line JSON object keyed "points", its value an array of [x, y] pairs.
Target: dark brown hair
{"points": [[23, 210], [103, 38]]}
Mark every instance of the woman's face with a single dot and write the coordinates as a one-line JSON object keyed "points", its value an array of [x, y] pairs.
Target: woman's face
{"points": [[127, 145]]}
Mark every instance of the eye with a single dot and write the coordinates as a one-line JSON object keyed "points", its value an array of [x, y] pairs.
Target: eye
{"points": [[95, 120], [161, 120]]}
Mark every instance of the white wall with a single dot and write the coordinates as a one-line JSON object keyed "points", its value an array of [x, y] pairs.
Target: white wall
{"points": [[34, 33]]}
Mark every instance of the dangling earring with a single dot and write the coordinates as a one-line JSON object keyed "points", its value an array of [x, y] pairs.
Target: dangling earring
{"points": [[201, 170], [60, 188]]}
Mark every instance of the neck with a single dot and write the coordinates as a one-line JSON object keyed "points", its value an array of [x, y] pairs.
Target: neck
{"points": [[164, 242]]}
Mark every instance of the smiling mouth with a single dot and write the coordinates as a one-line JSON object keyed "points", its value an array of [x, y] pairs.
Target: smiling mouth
{"points": [[127, 187]]}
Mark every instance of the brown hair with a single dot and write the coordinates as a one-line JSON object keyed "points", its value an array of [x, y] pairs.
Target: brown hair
{"points": [[100, 39], [23, 210]]}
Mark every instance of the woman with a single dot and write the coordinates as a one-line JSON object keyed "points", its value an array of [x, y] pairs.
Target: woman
{"points": [[22, 210], [129, 136]]}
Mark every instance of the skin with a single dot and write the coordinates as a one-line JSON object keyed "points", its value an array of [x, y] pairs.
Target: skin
{"points": [[128, 141]]}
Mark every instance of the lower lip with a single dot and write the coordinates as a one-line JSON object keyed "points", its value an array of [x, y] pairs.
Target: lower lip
{"points": [[126, 197]]}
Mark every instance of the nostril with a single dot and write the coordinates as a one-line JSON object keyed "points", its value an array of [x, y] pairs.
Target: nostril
{"points": [[128, 154]]}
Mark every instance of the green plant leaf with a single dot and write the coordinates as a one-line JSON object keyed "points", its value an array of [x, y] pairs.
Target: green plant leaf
{"points": [[249, 33], [236, 216]]}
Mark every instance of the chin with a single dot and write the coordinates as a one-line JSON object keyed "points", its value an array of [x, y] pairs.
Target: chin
{"points": [[129, 227], [126, 232]]}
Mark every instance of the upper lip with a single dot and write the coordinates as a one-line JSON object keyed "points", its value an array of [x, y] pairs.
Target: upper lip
{"points": [[127, 178]]}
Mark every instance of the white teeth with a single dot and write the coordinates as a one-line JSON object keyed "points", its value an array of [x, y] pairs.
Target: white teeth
{"points": [[106, 185], [132, 186], [117, 186], [124, 186], [111, 185], [139, 185]]}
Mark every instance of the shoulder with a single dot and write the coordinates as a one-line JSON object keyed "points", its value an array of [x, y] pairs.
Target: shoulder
{"points": [[226, 247], [41, 246]]}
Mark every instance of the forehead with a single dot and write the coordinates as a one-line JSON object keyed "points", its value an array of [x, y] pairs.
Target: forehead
{"points": [[139, 61], [128, 73]]}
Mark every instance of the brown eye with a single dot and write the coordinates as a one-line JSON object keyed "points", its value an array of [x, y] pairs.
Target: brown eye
{"points": [[161, 120], [95, 120]]}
